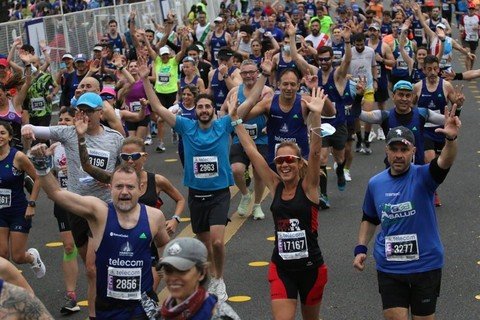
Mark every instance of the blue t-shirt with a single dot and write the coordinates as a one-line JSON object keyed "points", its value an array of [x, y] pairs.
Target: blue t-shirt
{"points": [[207, 164], [409, 240]]}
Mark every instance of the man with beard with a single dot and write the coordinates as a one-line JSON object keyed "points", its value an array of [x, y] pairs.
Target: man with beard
{"points": [[318, 39], [104, 148], [207, 171], [122, 232]]}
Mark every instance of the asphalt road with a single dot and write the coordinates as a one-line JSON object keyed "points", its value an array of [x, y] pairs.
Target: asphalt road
{"points": [[349, 294]]}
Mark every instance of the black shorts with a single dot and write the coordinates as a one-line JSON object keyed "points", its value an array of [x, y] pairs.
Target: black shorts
{"points": [[167, 99], [208, 208], [237, 154], [80, 230], [62, 218], [381, 95], [132, 126], [351, 129], [394, 79], [429, 144], [337, 140], [417, 291], [16, 221], [308, 283], [472, 45]]}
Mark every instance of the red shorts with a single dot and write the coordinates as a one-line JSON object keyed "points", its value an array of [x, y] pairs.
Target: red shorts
{"points": [[309, 283]]}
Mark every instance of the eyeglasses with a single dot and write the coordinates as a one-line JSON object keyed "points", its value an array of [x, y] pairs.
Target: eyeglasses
{"points": [[248, 73], [288, 159], [131, 156], [324, 59]]}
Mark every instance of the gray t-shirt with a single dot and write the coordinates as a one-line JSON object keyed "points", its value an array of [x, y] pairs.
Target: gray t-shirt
{"points": [[103, 149], [361, 65]]}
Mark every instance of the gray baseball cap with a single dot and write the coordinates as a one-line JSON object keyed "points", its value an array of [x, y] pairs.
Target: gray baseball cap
{"points": [[401, 134], [184, 253]]}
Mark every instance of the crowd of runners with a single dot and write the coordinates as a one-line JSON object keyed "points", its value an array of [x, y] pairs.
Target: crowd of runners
{"points": [[271, 89]]}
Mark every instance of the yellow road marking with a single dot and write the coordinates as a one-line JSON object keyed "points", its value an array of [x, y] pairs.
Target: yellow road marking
{"points": [[83, 303], [171, 160], [185, 219], [239, 299], [258, 263], [54, 244], [272, 238]]}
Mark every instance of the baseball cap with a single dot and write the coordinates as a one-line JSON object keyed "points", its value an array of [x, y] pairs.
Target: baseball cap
{"points": [[109, 91], [218, 19], [98, 48], [374, 26], [355, 7], [403, 85], [91, 100], [471, 5], [295, 11], [441, 25], [80, 57], [164, 50], [67, 56], [184, 253], [225, 53], [4, 62], [400, 134]]}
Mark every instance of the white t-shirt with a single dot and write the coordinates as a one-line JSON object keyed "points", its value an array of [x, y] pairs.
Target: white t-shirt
{"points": [[361, 65]]}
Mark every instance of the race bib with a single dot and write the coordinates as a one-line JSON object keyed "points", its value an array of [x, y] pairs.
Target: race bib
{"points": [[98, 158], [418, 33], [348, 110], [135, 106], [62, 179], [401, 64], [401, 247], [205, 167], [164, 78], [292, 245], [5, 198], [445, 6], [124, 283], [37, 104], [472, 36], [252, 130], [379, 71]]}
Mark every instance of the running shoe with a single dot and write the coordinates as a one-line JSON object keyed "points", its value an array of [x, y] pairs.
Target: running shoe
{"points": [[436, 200], [335, 166], [341, 181], [161, 147], [359, 147], [148, 141], [221, 291], [324, 202], [37, 265], [258, 212], [70, 306], [243, 205], [348, 177], [153, 128], [212, 286], [372, 136], [380, 134]]}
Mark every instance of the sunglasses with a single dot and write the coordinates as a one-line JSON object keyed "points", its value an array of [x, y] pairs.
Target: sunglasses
{"points": [[287, 159], [107, 97], [324, 59], [131, 156]]}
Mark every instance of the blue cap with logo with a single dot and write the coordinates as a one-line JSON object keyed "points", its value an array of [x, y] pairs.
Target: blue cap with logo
{"points": [[91, 100], [403, 85]]}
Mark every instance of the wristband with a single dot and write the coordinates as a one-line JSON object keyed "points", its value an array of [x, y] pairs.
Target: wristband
{"points": [[451, 139], [266, 75], [360, 249], [177, 218], [236, 122], [458, 76], [42, 165], [121, 68]]}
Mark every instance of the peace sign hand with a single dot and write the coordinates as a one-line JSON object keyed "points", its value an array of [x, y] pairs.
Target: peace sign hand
{"points": [[452, 123]]}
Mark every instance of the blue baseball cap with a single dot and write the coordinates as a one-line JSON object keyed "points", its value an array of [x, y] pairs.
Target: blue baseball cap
{"points": [[403, 85], [91, 100]]}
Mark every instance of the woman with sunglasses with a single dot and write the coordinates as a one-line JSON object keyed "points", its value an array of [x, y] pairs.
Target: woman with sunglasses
{"points": [[185, 108], [297, 266], [152, 184]]}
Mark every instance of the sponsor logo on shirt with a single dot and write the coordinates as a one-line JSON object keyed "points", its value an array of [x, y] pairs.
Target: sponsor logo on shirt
{"points": [[392, 213]]}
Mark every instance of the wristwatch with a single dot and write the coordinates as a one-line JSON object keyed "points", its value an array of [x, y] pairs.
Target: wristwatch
{"points": [[32, 204], [176, 218]]}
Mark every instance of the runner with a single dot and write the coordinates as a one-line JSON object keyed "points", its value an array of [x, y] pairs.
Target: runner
{"points": [[469, 26], [408, 250]]}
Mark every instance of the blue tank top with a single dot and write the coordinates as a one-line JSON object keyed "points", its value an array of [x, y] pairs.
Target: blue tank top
{"points": [[186, 113], [124, 267], [219, 88], [215, 44], [382, 71], [415, 125], [12, 196], [282, 65], [253, 126], [15, 120], [117, 42], [338, 53], [417, 31], [386, 28], [183, 84], [206, 309], [417, 74], [401, 68], [338, 100], [257, 60], [286, 126], [435, 101]]}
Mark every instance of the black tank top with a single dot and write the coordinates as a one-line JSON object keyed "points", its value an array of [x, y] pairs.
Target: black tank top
{"points": [[296, 224], [150, 197]]}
